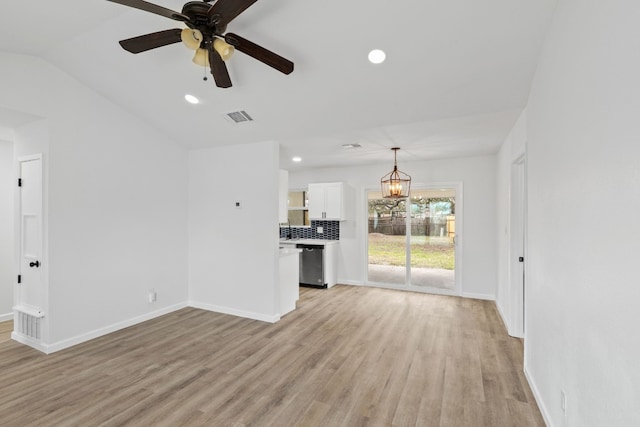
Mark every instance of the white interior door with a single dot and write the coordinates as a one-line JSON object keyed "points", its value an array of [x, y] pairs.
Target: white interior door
{"points": [[30, 291]]}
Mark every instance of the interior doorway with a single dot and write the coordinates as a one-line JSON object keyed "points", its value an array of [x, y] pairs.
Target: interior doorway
{"points": [[30, 296], [517, 258], [413, 243]]}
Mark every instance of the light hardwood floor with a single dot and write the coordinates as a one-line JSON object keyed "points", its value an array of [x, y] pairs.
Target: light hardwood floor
{"points": [[348, 356]]}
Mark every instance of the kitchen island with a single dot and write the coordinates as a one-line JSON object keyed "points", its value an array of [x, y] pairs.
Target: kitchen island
{"points": [[288, 278]]}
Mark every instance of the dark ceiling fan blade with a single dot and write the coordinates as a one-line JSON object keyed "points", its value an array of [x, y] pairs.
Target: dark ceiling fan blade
{"points": [[153, 8], [219, 69], [151, 41], [227, 10], [258, 52]]}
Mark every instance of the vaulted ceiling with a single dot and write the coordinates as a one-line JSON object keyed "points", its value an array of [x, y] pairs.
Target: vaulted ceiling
{"points": [[456, 77]]}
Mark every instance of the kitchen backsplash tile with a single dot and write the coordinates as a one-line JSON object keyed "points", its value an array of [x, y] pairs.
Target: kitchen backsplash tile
{"points": [[330, 231]]}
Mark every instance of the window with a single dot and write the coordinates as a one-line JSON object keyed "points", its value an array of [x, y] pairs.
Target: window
{"points": [[298, 206]]}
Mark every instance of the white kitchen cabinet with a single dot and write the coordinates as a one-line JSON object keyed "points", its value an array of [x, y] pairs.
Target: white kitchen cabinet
{"points": [[283, 195], [326, 201], [331, 264]]}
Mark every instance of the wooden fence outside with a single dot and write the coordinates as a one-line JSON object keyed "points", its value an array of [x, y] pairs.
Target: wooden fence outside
{"points": [[437, 226]]}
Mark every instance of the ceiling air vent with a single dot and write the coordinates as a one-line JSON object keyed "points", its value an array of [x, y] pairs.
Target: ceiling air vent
{"points": [[238, 117], [351, 146]]}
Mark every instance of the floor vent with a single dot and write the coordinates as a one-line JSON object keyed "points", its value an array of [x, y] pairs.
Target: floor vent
{"points": [[238, 117], [29, 322], [29, 325]]}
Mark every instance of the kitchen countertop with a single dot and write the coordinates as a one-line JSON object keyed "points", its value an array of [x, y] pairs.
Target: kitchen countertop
{"points": [[289, 251], [310, 241]]}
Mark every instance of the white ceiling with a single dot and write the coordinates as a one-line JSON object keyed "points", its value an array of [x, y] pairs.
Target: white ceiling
{"points": [[456, 77]]}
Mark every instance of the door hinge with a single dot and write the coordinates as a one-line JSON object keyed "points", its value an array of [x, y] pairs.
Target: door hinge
{"points": [[19, 182], [19, 278]]}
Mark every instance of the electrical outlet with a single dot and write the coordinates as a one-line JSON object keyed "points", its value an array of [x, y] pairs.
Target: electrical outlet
{"points": [[320, 230], [563, 402], [153, 296]]}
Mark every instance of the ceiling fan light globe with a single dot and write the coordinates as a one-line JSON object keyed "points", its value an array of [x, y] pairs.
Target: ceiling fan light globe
{"points": [[201, 58], [224, 49], [191, 38]]}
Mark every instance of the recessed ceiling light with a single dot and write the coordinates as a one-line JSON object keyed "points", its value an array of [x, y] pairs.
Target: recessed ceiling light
{"points": [[297, 159], [377, 56], [191, 99]]}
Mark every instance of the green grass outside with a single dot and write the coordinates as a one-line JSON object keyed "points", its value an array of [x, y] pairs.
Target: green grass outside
{"points": [[428, 252]]}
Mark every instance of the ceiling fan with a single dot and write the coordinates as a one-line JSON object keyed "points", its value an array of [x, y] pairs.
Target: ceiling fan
{"points": [[205, 34]]}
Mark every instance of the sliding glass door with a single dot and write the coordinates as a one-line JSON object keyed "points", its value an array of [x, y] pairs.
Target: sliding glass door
{"points": [[412, 242], [387, 258]]}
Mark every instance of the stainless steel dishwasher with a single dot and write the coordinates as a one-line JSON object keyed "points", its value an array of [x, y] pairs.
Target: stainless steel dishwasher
{"points": [[312, 266]]}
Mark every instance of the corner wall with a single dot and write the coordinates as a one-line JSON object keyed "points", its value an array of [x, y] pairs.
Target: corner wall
{"points": [[116, 217], [7, 271], [583, 153], [233, 252]]}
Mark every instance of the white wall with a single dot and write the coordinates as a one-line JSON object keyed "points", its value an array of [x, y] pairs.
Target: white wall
{"points": [[512, 149], [583, 149], [7, 271], [479, 243], [6, 133], [117, 204], [233, 253]]}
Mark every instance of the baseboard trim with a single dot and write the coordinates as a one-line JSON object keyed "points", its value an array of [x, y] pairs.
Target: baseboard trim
{"points": [[536, 395], [503, 317], [6, 317], [486, 297], [349, 282], [79, 339], [29, 342], [235, 312]]}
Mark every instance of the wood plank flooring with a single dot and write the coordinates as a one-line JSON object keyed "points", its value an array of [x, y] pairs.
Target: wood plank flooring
{"points": [[5, 330], [348, 356]]}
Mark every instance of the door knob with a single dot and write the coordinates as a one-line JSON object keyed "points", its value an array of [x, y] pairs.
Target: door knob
{"points": [[34, 264]]}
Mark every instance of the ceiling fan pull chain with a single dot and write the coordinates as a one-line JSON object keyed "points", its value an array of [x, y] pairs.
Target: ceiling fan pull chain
{"points": [[204, 67]]}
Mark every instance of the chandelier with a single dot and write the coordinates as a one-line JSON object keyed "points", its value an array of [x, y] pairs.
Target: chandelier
{"points": [[395, 184]]}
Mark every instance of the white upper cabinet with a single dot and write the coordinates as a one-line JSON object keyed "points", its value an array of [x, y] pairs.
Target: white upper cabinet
{"points": [[326, 201]]}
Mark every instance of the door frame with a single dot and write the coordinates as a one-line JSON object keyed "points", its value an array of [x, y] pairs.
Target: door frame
{"points": [[18, 247], [459, 239], [517, 245]]}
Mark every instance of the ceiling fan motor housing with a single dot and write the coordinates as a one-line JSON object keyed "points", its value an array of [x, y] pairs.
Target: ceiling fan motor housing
{"points": [[198, 13]]}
